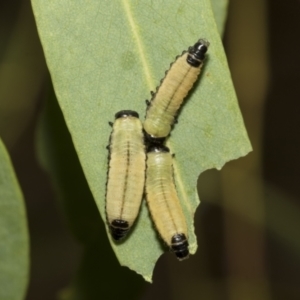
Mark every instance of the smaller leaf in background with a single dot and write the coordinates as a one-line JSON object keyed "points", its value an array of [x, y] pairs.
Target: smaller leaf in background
{"points": [[14, 239]]}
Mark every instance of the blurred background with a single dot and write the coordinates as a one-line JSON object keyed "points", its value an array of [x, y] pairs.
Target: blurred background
{"points": [[248, 222]]}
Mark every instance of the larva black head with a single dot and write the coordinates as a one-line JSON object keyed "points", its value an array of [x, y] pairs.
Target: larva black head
{"points": [[126, 113], [151, 140], [119, 229], [180, 246], [158, 148], [197, 53]]}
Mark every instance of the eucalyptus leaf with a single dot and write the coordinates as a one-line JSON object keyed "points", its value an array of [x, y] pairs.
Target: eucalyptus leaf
{"points": [[14, 248], [219, 8], [105, 56]]}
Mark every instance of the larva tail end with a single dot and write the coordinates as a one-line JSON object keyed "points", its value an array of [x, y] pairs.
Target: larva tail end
{"points": [[180, 246], [119, 229]]}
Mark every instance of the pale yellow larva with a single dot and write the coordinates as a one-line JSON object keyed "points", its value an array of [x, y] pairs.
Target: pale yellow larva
{"points": [[163, 201], [126, 174], [169, 96]]}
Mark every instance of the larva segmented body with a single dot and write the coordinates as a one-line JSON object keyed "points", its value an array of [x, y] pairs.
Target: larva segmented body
{"points": [[163, 201], [126, 173], [169, 96]]}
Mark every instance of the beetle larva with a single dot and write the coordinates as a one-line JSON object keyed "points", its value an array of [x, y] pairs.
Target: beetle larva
{"points": [[163, 201], [126, 174], [169, 96]]}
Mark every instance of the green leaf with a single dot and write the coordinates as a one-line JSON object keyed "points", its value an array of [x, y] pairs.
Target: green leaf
{"points": [[105, 56], [219, 8], [14, 248]]}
